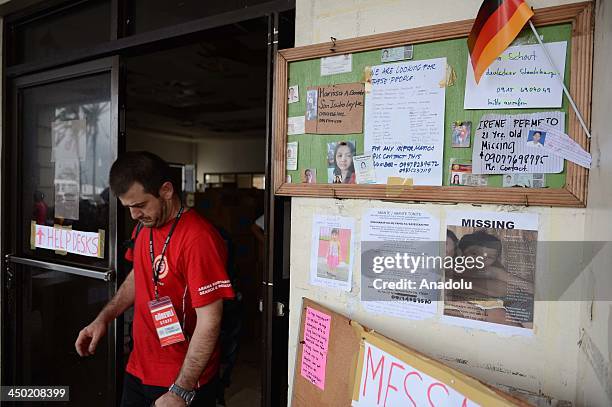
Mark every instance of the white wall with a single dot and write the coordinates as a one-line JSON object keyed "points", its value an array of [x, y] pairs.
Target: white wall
{"points": [[210, 155], [174, 150], [246, 155], [595, 366], [547, 363]]}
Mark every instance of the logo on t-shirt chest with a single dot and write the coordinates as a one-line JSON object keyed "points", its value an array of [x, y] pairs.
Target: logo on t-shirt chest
{"points": [[163, 269]]}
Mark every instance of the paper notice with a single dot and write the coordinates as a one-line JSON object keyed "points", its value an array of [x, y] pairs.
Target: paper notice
{"points": [[69, 140], [331, 261], [295, 125], [521, 77], [364, 168], [316, 341], [293, 94], [461, 174], [70, 241], [339, 109], [67, 182], [336, 64], [560, 144], [404, 121], [501, 274], [292, 156], [388, 233], [524, 180], [503, 144], [396, 54]]}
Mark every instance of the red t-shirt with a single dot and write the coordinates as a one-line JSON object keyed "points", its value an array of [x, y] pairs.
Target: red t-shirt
{"points": [[193, 275]]}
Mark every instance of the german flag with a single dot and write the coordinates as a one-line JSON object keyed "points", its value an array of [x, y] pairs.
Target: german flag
{"points": [[496, 26]]}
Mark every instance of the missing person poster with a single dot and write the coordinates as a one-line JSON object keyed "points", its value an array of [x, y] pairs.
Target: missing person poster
{"points": [[497, 269], [404, 120], [512, 144]]}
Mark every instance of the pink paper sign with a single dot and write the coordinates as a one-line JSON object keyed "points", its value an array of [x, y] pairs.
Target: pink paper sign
{"points": [[314, 352]]}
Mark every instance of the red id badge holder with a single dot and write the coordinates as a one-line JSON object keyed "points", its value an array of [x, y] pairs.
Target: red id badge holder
{"points": [[166, 321]]}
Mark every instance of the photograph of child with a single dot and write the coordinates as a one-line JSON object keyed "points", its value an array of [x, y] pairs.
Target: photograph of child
{"points": [[503, 290], [536, 138], [309, 176], [311, 104], [333, 253], [461, 134], [340, 166]]}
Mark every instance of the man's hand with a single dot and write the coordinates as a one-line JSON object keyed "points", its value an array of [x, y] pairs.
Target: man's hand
{"points": [[170, 400], [89, 337]]}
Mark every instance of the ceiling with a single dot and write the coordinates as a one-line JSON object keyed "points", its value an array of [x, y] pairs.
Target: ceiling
{"points": [[215, 87]]}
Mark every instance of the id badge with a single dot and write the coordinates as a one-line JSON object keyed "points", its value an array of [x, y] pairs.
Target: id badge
{"points": [[166, 321]]}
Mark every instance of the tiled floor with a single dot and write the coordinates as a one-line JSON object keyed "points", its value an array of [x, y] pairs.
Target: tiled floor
{"points": [[245, 389]]}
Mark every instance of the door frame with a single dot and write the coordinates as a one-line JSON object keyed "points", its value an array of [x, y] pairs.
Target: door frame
{"points": [[11, 210]]}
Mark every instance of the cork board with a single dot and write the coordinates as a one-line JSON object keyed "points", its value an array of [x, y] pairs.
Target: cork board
{"points": [[343, 366], [301, 67]]}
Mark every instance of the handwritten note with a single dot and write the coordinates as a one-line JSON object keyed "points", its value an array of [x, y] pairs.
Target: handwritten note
{"points": [[387, 380], [504, 144], [67, 240], [521, 77], [404, 120], [316, 341], [339, 110]]}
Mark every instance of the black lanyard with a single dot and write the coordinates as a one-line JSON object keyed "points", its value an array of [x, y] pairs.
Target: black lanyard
{"points": [[163, 253]]}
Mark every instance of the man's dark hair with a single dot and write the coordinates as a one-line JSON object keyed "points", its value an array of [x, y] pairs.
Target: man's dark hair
{"points": [[143, 167]]}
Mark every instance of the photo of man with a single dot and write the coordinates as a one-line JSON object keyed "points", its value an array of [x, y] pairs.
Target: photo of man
{"points": [[536, 138]]}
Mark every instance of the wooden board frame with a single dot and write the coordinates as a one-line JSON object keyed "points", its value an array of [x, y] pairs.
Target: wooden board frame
{"points": [[574, 194]]}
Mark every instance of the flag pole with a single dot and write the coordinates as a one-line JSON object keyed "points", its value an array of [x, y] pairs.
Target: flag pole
{"points": [[571, 100]]}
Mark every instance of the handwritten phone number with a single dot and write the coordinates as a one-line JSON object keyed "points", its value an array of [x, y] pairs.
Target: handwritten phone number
{"points": [[35, 393]]}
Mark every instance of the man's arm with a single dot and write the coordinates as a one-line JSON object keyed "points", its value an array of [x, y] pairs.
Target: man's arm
{"points": [[201, 346], [90, 335]]}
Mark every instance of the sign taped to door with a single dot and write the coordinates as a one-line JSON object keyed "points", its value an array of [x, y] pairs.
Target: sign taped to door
{"points": [[66, 240]]}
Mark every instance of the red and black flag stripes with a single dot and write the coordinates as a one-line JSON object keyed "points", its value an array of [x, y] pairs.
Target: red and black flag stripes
{"points": [[496, 26]]}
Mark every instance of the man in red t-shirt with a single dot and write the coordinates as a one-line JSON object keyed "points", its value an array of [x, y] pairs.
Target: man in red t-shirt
{"points": [[177, 297]]}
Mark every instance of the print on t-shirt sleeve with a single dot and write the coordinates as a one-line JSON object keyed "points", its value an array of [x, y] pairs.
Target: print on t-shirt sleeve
{"points": [[205, 261]]}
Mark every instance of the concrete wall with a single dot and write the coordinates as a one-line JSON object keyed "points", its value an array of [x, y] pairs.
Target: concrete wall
{"points": [[246, 155], [594, 365], [550, 362]]}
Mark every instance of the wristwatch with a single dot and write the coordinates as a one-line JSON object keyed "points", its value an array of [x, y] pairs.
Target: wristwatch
{"points": [[182, 393]]}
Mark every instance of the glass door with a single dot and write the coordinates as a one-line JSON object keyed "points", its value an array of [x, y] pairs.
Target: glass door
{"points": [[60, 241]]}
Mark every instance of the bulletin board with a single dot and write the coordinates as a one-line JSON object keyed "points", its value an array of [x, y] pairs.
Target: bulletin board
{"points": [[301, 66], [343, 367]]}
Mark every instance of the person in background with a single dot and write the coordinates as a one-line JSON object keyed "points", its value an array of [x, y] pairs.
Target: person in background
{"points": [[177, 287], [39, 214]]}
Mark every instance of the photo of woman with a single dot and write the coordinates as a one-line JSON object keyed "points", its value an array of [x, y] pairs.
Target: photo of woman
{"points": [[340, 162]]}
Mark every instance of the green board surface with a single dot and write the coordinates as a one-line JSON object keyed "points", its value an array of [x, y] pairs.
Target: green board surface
{"points": [[312, 148]]}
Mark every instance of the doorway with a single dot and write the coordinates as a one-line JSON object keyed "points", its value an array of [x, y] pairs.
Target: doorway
{"points": [[201, 106], [199, 95]]}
